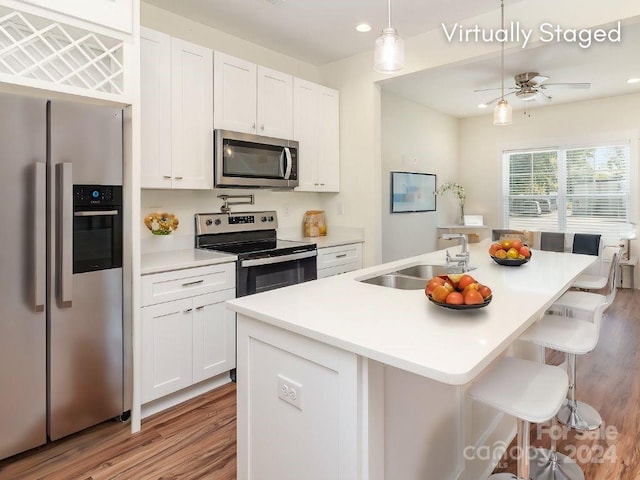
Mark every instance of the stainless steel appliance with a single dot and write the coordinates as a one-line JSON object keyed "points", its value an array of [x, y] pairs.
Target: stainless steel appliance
{"points": [[246, 160], [61, 322], [264, 262]]}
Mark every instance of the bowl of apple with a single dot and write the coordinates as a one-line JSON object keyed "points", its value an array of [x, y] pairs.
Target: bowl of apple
{"points": [[511, 253], [457, 292]]}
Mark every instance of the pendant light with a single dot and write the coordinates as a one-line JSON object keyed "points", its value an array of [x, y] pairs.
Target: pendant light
{"points": [[502, 114], [389, 52]]}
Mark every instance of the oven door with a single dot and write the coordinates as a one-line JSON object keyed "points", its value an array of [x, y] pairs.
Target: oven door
{"points": [[263, 274], [97, 238]]}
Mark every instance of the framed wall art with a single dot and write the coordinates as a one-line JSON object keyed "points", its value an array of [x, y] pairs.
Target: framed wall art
{"points": [[413, 192]]}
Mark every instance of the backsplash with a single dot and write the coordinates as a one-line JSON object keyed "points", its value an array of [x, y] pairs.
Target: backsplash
{"points": [[289, 206]]}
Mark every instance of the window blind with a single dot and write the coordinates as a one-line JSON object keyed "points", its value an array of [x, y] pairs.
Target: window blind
{"points": [[573, 190]]}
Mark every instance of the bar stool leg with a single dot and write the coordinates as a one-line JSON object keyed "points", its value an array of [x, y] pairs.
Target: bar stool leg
{"points": [[551, 465], [577, 415], [523, 458]]}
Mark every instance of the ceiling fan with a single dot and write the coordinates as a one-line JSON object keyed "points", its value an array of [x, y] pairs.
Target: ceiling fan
{"points": [[531, 86]]}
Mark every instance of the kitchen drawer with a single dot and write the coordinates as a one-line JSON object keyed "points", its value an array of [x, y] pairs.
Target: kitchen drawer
{"points": [[340, 255], [169, 286]]}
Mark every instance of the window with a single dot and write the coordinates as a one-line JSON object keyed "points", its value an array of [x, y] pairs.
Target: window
{"points": [[571, 190]]}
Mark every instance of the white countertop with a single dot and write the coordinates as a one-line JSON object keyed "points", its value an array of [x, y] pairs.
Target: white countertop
{"points": [[179, 259], [403, 329], [335, 236]]}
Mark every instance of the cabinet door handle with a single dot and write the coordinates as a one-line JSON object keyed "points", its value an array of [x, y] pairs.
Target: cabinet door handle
{"points": [[342, 255], [178, 178], [166, 176], [262, 127], [191, 284], [200, 307], [188, 310]]}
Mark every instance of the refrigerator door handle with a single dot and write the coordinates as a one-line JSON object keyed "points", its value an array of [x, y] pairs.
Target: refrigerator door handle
{"points": [[40, 235], [65, 233]]}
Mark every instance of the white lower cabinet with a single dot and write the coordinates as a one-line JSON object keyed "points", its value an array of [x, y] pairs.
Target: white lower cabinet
{"points": [[190, 339], [339, 259]]}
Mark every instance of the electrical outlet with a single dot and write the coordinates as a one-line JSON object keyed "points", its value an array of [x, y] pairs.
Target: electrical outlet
{"points": [[285, 209], [290, 391]]}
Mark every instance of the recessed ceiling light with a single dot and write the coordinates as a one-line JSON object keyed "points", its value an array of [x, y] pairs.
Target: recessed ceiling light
{"points": [[363, 27], [483, 105], [634, 80]]}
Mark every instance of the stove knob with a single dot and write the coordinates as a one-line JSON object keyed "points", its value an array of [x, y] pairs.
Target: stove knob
{"points": [[218, 221], [208, 222], [263, 219], [271, 219]]}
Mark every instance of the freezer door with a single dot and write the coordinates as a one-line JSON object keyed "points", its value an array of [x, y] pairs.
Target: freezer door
{"points": [[85, 311], [86, 355], [22, 282]]}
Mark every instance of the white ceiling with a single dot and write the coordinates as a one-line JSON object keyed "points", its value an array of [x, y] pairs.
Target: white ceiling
{"points": [[450, 89], [322, 31]]}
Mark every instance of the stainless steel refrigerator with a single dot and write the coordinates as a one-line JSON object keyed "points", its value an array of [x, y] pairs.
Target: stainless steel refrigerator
{"points": [[61, 326]]}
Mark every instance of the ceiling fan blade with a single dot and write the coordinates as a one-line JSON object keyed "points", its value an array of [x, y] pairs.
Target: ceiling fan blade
{"points": [[566, 85], [538, 79], [498, 98], [542, 97], [497, 88]]}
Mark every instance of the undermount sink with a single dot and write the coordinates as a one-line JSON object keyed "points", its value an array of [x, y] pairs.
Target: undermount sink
{"points": [[411, 278], [425, 271], [393, 280]]}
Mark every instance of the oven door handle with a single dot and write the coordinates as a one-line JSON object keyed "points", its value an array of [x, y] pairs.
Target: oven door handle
{"points": [[95, 213], [279, 259]]}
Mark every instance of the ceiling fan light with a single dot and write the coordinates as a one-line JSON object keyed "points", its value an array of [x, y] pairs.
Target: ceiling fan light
{"points": [[389, 52], [502, 114], [527, 95]]}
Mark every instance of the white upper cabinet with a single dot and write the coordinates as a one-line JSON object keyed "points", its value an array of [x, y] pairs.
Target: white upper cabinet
{"points": [[177, 112], [191, 115], [252, 99], [155, 79], [275, 104], [116, 14], [317, 129], [235, 93]]}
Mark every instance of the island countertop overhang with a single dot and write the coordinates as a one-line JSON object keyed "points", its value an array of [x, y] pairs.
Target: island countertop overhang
{"points": [[401, 328]]}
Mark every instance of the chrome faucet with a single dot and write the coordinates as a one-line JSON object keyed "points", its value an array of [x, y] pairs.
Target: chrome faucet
{"points": [[459, 259]]}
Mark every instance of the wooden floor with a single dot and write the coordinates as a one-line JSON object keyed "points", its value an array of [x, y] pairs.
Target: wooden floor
{"points": [[197, 440]]}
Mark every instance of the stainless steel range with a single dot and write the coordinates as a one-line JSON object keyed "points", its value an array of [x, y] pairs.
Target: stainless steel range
{"points": [[264, 262]]}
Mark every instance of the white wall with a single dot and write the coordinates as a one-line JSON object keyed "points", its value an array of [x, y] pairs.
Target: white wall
{"points": [[481, 144], [416, 138], [184, 203]]}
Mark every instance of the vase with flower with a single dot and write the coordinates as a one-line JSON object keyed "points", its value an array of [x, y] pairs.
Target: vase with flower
{"points": [[458, 191]]}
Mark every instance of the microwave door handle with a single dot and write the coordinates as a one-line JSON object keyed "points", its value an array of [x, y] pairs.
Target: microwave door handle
{"points": [[65, 233], [287, 172]]}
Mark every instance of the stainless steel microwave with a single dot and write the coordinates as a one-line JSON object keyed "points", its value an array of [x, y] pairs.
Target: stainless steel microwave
{"points": [[246, 160]]}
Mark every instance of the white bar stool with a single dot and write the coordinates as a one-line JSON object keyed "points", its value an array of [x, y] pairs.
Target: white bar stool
{"points": [[530, 391]]}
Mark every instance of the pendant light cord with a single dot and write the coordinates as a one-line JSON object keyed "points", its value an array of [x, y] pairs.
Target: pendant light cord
{"points": [[389, 13], [502, 67]]}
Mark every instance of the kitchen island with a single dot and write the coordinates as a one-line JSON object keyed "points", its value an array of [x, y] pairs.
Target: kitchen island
{"points": [[341, 379]]}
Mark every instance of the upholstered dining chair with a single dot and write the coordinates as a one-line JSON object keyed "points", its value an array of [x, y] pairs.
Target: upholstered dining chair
{"points": [[552, 241]]}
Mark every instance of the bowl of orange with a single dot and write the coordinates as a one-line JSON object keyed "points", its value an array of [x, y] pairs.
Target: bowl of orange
{"points": [[511, 253], [457, 292]]}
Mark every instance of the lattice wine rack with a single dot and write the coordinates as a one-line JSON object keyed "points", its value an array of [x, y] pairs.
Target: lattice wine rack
{"points": [[42, 50]]}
